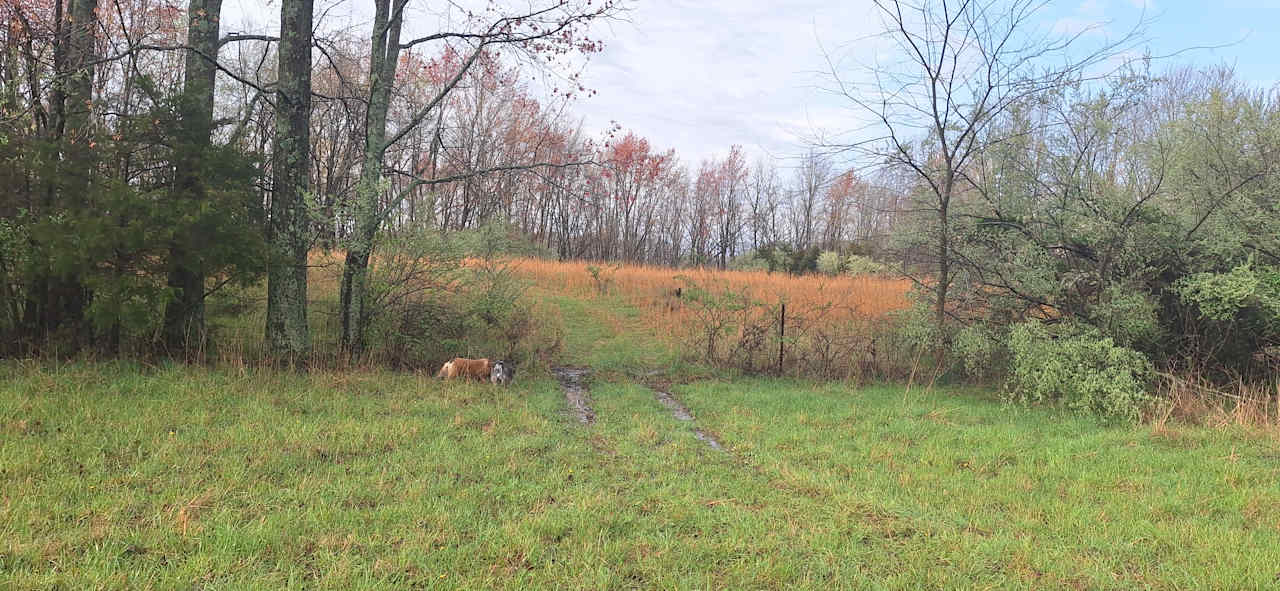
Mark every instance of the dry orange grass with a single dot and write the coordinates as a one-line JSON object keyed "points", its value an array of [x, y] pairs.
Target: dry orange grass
{"points": [[651, 289], [833, 307]]}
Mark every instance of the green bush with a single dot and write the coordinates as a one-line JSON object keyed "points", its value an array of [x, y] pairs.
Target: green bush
{"points": [[829, 263], [14, 257], [718, 312], [781, 256], [426, 304], [979, 348], [752, 261], [862, 265], [603, 277], [497, 238], [1128, 314], [1077, 367], [1223, 296]]}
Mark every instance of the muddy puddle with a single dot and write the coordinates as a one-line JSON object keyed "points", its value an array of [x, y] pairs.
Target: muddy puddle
{"points": [[701, 435], [681, 413], [573, 380], [677, 410]]}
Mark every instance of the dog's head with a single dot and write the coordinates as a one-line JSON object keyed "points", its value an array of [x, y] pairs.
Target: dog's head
{"points": [[503, 372]]}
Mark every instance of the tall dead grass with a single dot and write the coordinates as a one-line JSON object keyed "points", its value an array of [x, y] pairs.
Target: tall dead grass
{"points": [[864, 295], [1190, 398], [832, 323]]}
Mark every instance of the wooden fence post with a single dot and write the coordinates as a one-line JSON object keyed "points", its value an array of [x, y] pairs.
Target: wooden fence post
{"points": [[782, 333]]}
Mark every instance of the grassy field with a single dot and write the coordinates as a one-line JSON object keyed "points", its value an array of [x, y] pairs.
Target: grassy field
{"points": [[123, 476]]}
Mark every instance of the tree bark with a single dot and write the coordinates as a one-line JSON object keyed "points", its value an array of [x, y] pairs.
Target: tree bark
{"points": [[60, 299], [383, 60], [944, 262], [184, 325], [287, 334]]}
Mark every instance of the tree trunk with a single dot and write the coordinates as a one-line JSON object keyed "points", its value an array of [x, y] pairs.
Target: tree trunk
{"points": [[287, 333], [355, 275], [944, 270], [184, 327], [61, 299], [944, 264]]}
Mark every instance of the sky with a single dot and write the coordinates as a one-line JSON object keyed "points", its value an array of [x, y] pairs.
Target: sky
{"points": [[699, 76]]}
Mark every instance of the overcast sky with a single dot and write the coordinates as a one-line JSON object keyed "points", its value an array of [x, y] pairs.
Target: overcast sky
{"points": [[702, 75]]}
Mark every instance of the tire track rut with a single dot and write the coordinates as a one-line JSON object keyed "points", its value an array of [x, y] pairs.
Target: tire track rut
{"points": [[682, 413], [576, 394]]}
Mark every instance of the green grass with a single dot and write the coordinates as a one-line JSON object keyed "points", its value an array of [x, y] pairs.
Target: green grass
{"points": [[610, 337], [120, 476]]}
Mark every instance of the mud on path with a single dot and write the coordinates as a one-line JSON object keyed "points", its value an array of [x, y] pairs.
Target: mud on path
{"points": [[573, 381], [678, 410], [701, 435], [682, 413]]}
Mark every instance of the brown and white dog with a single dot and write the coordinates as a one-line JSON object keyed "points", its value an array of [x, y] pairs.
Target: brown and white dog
{"points": [[498, 372]]}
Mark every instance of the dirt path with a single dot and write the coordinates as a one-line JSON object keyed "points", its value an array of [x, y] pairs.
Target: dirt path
{"points": [[573, 379], [578, 397], [682, 413]]}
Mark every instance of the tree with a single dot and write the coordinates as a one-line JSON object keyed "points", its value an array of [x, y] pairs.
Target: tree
{"points": [[811, 180], [964, 63], [184, 314], [113, 181], [1141, 212], [731, 177], [764, 205], [549, 28], [289, 227], [58, 296]]}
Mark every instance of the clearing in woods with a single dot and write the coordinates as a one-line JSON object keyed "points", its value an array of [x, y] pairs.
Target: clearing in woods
{"points": [[117, 475]]}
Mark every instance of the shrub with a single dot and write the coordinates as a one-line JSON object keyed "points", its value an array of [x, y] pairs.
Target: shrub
{"points": [[829, 263], [1224, 296], [803, 261], [1128, 314], [780, 256], [979, 348], [497, 238], [14, 257], [862, 265], [752, 261], [603, 277], [717, 313], [1235, 316], [429, 304], [1077, 367]]}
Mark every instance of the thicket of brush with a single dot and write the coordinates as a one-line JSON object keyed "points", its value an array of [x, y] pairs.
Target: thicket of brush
{"points": [[433, 297], [872, 328]]}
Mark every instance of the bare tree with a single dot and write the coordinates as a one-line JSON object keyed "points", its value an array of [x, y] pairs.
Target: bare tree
{"points": [[553, 26], [963, 64], [764, 204], [811, 180]]}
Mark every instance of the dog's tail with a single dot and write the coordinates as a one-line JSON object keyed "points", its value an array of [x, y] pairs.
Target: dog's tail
{"points": [[444, 370]]}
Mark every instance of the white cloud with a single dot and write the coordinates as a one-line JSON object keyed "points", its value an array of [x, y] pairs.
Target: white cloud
{"points": [[695, 75], [702, 76]]}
